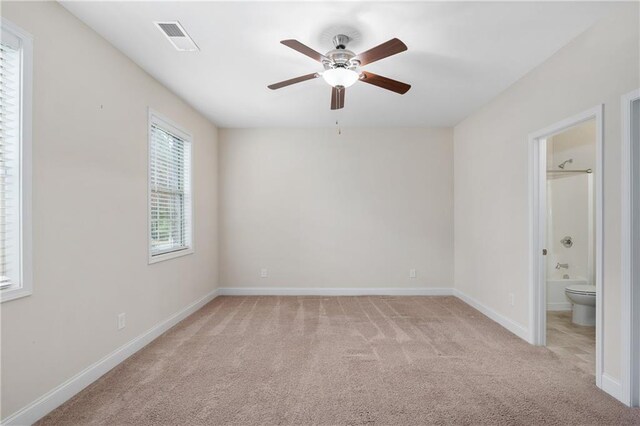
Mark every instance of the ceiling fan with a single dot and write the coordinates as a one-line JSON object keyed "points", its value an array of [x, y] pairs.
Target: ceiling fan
{"points": [[341, 67]]}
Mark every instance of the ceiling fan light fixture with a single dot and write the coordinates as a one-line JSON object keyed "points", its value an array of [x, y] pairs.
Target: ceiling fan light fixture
{"points": [[340, 77], [342, 67]]}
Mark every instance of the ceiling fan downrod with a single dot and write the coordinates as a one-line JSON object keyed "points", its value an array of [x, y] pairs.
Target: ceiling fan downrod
{"points": [[340, 41]]}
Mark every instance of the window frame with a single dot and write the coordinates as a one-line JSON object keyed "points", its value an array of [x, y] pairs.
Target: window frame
{"points": [[25, 287], [169, 126]]}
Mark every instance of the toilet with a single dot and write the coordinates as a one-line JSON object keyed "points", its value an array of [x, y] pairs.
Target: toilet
{"points": [[583, 299]]}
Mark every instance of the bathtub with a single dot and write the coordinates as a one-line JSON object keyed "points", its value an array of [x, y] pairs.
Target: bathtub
{"points": [[556, 299]]}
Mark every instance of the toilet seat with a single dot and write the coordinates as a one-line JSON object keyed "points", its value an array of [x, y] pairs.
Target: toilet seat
{"points": [[587, 290]]}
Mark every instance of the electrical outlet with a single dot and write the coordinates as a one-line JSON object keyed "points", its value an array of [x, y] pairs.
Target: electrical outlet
{"points": [[412, 273], [264, 273], [512, 299], [122, 321]]}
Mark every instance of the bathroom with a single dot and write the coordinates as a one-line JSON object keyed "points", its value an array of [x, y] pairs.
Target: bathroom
{"points": [[570, 276]]}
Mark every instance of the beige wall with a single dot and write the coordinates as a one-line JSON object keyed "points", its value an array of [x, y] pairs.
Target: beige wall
{"points": [[90, 208], [318, 209], [491, 168]]}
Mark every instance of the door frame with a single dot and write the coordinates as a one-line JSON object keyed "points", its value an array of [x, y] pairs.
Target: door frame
{"points": [[537, 228], [630, 336]]}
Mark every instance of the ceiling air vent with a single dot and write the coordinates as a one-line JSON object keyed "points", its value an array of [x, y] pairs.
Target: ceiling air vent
{"points": [[177, 36]]}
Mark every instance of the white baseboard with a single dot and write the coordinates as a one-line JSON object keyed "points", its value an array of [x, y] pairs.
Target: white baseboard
{"points": [[57, 396], [613, 387], [514, 327], [336, 291], [559, 306]]}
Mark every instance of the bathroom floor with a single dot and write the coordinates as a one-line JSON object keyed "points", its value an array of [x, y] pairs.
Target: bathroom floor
{"points": [[575, 344]]}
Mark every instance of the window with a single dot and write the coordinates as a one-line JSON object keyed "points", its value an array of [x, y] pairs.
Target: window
{"points": [[15, 162], [170, 201]]}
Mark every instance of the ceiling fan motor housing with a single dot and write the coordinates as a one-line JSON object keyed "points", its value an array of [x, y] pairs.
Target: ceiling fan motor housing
{"points": [[340, 57]]}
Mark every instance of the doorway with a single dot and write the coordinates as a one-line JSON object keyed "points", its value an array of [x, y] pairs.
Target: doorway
{"points": [[570, 242], [566, 243]]}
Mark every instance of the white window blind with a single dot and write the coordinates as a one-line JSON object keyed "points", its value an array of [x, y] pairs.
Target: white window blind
{"points": [[169, 190], [15, 161], [10, 72]]}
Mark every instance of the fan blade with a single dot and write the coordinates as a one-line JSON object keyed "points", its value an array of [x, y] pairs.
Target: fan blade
{"points": [[305, 50], [292, 81], [337, 97], [381, 51], [385, 83]]}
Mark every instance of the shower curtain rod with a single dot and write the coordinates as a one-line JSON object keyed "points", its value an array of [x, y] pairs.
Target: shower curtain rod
{"points": [[570, 171]]}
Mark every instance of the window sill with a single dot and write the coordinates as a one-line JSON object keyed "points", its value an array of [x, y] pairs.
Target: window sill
{"points": [[13, 294], [168, 256]]}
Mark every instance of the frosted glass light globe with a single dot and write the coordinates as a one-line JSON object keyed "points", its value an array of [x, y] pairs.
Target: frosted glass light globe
{"points": [[340, 77]]}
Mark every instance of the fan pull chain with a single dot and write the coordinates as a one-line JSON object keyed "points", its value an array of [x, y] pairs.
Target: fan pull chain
{"points": [[338, 126]]}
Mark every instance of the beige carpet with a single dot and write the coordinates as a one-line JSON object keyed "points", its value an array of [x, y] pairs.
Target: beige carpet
{"points": [[342, 361]]}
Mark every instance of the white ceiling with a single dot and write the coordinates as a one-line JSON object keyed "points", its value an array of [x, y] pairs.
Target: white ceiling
{"points": [[460, 55]]}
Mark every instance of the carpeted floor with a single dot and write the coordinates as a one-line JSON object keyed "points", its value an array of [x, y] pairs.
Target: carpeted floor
{"points": [[342, 361]]}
